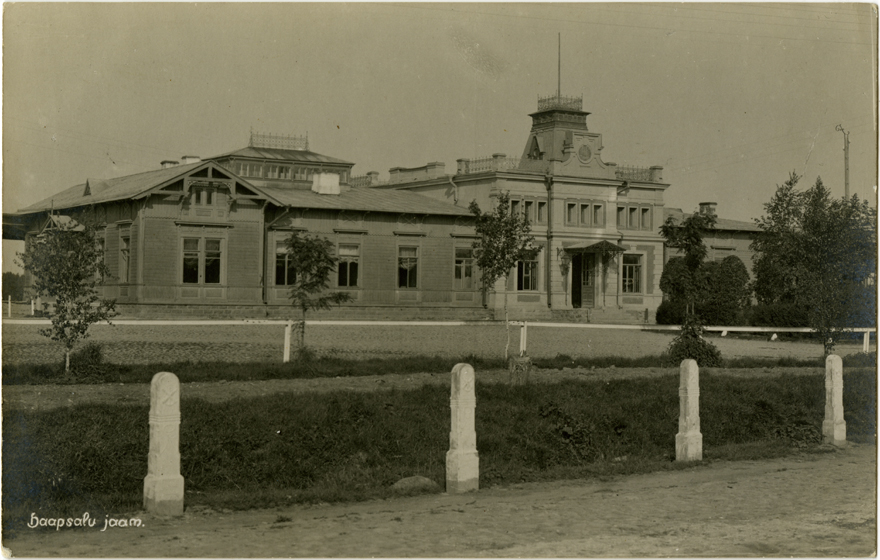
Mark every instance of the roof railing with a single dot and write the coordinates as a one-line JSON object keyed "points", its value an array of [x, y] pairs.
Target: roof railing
{"points": [[557, 101], [278, 141]]}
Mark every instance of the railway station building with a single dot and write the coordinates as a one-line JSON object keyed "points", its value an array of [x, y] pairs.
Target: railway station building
{"points": [[204, 237]]}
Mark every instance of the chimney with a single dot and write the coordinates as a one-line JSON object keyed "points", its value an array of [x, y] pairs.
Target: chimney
{"points": [[166, 163], [708, 208], [372, 178], [325, 183], [190, 159]]}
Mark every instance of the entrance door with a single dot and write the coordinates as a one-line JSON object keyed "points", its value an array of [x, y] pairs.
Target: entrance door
{"points": [[588, 280], [576, 263]]}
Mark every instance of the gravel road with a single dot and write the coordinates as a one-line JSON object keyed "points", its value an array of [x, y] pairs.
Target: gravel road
{"points": [[245, 343], [803, 506]]}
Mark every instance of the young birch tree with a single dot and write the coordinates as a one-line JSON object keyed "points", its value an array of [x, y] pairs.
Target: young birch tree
{"points": [[66, 263], [312, 261], [505, 239]]}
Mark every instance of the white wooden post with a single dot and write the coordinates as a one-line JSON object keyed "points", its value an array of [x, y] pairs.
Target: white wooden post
{"points": [[32, 307], [523, 338], [287, 330], [866, 342], [9, 299]]}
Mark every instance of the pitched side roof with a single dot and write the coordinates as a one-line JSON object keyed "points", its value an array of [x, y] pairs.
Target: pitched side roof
{"points": [[109, 190], [372, 200], [720, 223], [124, 188], [304, 156]]}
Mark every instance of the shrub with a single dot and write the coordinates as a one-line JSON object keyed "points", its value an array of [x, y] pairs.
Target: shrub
{"points": [[690, 345], [670, 313], [87, 364], [779, 315]]}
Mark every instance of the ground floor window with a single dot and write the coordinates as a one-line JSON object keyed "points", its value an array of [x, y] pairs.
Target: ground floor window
{"points": [[632, 274], [464, 268], [202, 260], [349, 260], [285, 273], [124, 259], [407, 267], [527, 275]]}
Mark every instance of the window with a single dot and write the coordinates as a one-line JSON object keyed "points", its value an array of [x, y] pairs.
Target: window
{"points": [[464, 268], [202, 260], [621, 216], [542, 212], [570, 216], [202, 196], [514, 207], [124, 259], [632, 274], [598, 215], [191, 261], [646, 218], [585, 214], [527, 275], [99, 247], [349, 257], [407, 267], [285, 274], [529, 211], [633, 218]]}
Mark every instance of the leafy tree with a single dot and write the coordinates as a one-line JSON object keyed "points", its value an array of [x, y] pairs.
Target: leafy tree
{"points": [[688, 238], [67, 264], [691, 282], [819, 254], [13, 286], [312, 261], [726, 291], [505, 239]]}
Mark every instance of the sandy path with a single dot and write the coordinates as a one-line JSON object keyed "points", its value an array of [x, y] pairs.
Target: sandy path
{"points": [[129, 344], [810, 505]]}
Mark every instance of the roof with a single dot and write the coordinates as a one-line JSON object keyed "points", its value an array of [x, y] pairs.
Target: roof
{"points": [[365, 199], [720, 223], [108, 190], [281, 155], [591, 247]]}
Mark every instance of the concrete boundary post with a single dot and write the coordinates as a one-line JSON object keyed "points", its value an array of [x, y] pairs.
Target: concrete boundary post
{"points": [[834, 427], [462, 460], [689, 440], [163, 485]]}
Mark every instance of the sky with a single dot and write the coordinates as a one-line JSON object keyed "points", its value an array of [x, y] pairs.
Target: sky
{"points": [[727, 98]]}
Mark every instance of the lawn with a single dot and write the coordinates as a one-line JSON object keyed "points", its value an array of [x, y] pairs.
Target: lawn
{"points": [[342, 446]]}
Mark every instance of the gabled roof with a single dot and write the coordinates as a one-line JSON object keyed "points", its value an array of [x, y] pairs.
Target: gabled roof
{"points": [[122, 188], [365, 199], [720, 223], [304, 156]]}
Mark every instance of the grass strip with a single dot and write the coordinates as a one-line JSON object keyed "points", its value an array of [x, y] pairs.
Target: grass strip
{"points": [[345, 446], [335, 366]]}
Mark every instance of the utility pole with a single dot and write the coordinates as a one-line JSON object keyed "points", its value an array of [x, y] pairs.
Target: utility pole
{"points": [[845, 161]]}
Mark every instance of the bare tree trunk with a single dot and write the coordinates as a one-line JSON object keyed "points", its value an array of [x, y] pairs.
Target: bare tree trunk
{"points": [[506, 323]]}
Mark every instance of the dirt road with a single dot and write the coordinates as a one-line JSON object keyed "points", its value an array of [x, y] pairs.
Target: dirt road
{"points": [[810, 505]]}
